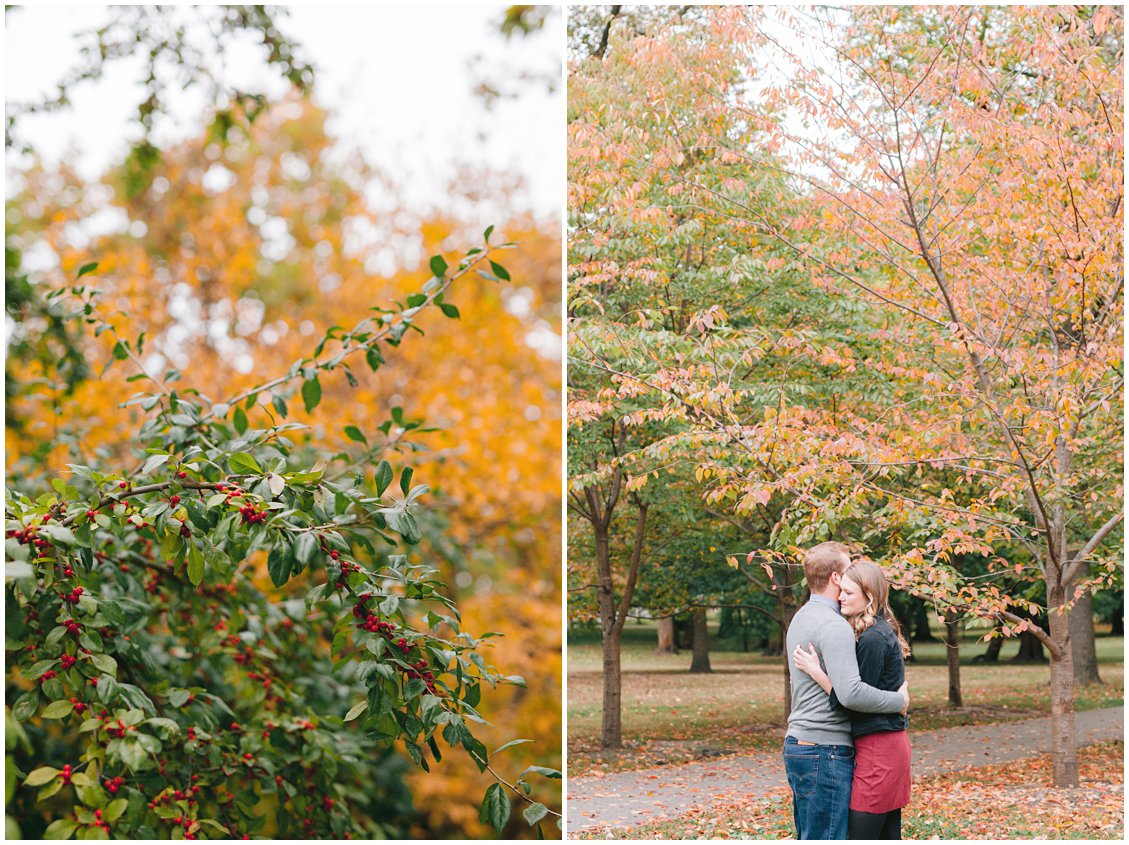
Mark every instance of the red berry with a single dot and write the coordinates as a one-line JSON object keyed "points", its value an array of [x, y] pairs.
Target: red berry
{"points": [[182, 474], [123, 484]]}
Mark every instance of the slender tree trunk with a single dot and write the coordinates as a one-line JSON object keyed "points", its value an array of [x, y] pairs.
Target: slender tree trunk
{"points": [[666, 636], [952, 651], [1082, 636], [612, 617], [700, 664], [611, 726], [1064, 748]]}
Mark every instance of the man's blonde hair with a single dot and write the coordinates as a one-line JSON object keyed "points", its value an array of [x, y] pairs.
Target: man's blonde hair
{"points": [[820, 561]]}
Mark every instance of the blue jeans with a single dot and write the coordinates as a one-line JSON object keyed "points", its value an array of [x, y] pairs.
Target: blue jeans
{"points": [[820, 779]]}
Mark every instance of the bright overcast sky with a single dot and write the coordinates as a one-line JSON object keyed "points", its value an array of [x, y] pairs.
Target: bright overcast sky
{"points": [[397, 80]]}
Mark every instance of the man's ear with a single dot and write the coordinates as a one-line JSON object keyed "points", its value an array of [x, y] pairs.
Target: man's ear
{"points": [[836, 578]]}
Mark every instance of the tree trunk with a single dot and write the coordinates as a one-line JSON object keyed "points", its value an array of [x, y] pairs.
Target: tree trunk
{"points": [[1117, 622], [952, 651], [1082, 636], [700, 664], [611, 726], [1064, 748], [666, 636], [682, 634], [1030, 649], [920, 619], [612, 617], [992, 655]]}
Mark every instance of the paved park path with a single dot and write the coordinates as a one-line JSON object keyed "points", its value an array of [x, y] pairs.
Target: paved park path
{"points": [[629, 798]]}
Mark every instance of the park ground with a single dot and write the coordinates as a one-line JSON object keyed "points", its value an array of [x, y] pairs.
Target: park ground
{"points": [[671, 717]]}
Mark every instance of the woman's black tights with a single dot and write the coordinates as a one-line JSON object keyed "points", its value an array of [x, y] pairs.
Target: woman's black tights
{"points": [[874, 825]]}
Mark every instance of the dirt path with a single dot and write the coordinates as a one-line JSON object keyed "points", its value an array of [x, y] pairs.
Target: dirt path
{"points": [[628, 798]]}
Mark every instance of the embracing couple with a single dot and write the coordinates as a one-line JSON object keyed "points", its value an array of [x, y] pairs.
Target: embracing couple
{"points": [[847, 753]]}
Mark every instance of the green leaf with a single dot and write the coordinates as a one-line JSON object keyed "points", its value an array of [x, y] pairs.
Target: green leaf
{"points": [[383, 477], [276, 483], [416, 300], [154, 461], [500, 271], [40, 776], [373, 358], [356, 710], [305, 547], [495, 807], [39, 668], [279, 564], [354, 433], [116, 807], [82, 271], [486, 235], [178, 697], [60, 828], [195, 566], [449, 310], [57, 709], [311, 393], [534, 813], [541, 770], [242, 462], [239, 420], [105, 664], [113, 612], [26, 706], [406, 480], [108, 690], [509, 744], [119, 351], [58, 534], [438, 266]]}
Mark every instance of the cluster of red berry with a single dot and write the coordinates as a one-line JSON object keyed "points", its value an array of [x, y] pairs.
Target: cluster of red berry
{"points": [[66, 773], [27, 535], [100, 822], [262, 677], [73, 596], [251, 514], [68, 660], [72, 627], [114, 784], [79, 707], [420, 670], [188, 824], [120, 729]]}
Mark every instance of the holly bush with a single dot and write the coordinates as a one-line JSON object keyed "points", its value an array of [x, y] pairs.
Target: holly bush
{"points": [[166, 690]]}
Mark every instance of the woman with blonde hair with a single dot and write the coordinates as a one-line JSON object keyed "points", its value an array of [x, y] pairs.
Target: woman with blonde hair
{"points": [[881, 783]]}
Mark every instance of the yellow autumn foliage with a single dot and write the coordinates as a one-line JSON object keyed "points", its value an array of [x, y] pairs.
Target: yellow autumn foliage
{"points": [[234, 262]]}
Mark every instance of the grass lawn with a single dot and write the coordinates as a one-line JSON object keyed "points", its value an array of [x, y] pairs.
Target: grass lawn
{"points": [[671, 716], [1010, 801]]}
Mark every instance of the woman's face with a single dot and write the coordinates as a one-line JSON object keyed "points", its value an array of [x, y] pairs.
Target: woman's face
{"points": [[852, 601]]}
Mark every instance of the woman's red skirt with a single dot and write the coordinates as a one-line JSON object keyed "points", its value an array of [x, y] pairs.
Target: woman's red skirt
{"points": [[882, 779]]}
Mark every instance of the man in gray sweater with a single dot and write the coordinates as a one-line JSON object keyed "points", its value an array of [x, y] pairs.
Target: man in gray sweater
{"points": [[819, 754]]}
